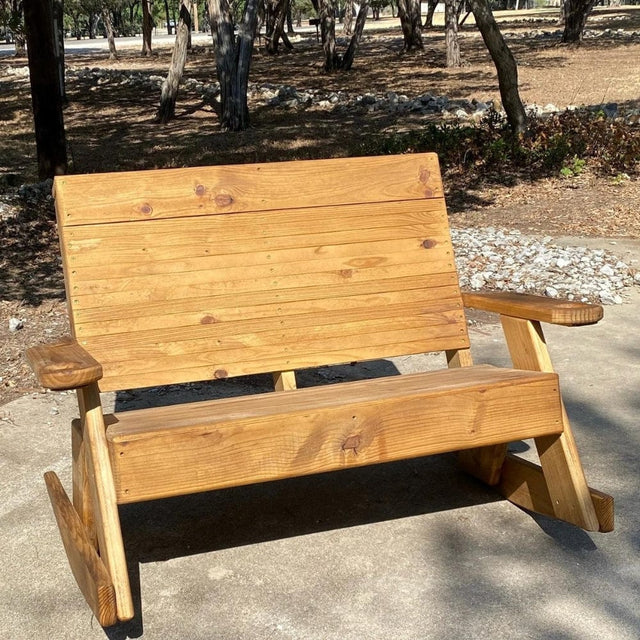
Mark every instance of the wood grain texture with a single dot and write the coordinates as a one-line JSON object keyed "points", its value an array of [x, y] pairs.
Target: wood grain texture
{"points": [[563, 312], [141, 195], [87, 567], [81, 493], [484, 463], [177, 450], [103, 497], [523, 483], [284, 380], [559, 457], [63, 365], [253, 292]]}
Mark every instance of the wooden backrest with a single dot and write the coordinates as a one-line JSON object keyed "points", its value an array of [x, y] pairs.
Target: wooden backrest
{"points": [[179, 275]]}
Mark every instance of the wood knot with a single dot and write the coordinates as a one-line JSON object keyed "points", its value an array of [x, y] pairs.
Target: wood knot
{"points": [[424, 175], [207, 320], [220, 374], [146, 209], [429, 244], [200, 189], [346, 273], [223, 200], [352, 442]]}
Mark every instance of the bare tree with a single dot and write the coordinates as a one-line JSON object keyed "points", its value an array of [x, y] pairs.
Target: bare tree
{"points": [[233, 59], [45, 89], [147, 27], [327, 15], [169, 92], [411, 23], [431, 8], [275, 14], [451, 33], [504, 62], [350, 53], [575, 14], [347, 23], [326, 12], [108, 27], [12, 11]]}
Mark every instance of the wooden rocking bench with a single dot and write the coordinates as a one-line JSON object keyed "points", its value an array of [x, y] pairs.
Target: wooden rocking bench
{"points": [[195, 274]]}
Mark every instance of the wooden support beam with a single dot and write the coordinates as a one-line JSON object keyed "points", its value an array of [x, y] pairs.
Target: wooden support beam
{"points": [[284, 380], [483, 463], [87, 568], [523, 483], [558, 454], [103, 496], [81, 494]]}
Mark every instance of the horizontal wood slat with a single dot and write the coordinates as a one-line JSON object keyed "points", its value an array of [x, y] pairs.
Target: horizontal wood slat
{"points": [[266, 250], [278, 353], [138, 195], [228, 309], [176, 450], [170, 290], [239, 329], [327, 298], [285, 340]]}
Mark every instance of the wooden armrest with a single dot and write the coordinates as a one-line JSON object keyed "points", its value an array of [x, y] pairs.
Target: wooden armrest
{"points": [[564, 312], [63, 365]]}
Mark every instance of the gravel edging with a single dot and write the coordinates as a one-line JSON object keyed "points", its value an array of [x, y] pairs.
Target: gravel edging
{"points": [[502, 260]]}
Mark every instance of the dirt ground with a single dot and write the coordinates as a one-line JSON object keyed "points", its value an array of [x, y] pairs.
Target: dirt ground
{"points": [[111, 127]]}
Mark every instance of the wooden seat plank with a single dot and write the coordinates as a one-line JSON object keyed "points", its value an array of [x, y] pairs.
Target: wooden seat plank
{"points": [[272, 436]]}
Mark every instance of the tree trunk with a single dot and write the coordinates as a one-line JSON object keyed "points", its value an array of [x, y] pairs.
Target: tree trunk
{"points": [[504, 62], [327, 15], [431, 8], [58, 43], [347, 25], [233, 60], [168, 18], [275, 16], [92, 24], [290, 30], [350, 53], [451, 33], [194, 16], [169, 92], [16, 24], [410, 20], [45, 89], [108, 27], [576, 13], [147, 27]]}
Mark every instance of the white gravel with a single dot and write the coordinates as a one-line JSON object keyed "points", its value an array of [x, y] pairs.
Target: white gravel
{"points": [[510, 261]]}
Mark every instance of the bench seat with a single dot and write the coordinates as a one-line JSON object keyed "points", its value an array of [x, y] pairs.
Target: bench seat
{"points": [[180, 449]]}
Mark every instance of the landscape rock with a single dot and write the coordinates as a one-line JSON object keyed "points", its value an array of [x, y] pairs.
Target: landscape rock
{"points": [[15, 324]]}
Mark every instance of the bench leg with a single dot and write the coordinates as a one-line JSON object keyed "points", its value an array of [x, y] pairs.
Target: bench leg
{"points": [[81, 495], [103, 496], [559, 459], [484, 463]]}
